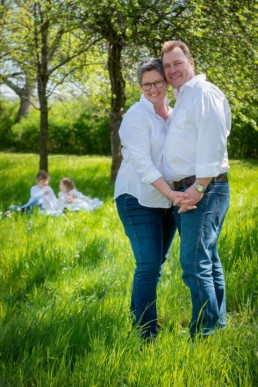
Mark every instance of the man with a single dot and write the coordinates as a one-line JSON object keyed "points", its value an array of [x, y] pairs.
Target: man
{"points": [[196, 161]]}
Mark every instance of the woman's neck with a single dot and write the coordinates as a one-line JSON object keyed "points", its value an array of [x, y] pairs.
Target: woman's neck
{"points": [[162, 110]]}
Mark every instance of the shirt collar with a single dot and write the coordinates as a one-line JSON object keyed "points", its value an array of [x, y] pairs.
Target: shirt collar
{"points": [[149, 105], [191, 83]]}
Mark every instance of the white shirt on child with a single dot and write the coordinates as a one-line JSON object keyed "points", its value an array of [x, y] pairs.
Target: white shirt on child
{"points": [[37, 195], [76, 201]]}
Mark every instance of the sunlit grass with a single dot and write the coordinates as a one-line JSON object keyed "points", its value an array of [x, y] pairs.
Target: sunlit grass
{"points": [[66, 283]]}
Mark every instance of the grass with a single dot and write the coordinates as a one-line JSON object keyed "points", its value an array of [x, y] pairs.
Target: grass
{"points": [[66, 282]]}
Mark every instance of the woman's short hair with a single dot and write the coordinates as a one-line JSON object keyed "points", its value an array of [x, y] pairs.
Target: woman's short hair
{"points": [[149, 64]]}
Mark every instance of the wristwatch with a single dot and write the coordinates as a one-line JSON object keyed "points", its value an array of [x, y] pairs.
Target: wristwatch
{"points": [[199, 187]]}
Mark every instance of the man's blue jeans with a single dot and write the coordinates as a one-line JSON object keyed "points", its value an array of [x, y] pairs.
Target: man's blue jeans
{"points": [[202, 270], [150, 231]]}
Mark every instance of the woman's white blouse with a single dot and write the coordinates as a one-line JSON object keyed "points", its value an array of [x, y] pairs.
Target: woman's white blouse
{"points": [[142, 134]]}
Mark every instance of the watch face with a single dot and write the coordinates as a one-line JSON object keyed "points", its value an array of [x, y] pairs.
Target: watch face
{"points": [[200, 188]]}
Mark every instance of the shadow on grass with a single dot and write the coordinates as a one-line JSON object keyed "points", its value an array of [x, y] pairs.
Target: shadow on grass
{"points": [[38, 267], [59, 333]]}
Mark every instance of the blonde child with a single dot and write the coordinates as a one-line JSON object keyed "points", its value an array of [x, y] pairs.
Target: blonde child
{"points": [[69, 198], [68, 190]]}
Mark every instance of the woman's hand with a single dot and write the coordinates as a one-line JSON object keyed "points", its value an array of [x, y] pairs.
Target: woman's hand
{"points": [[186, 207], [193, 196], [182, 200]]}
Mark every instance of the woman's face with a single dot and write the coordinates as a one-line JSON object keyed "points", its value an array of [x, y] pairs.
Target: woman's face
{"points": [[153, 86]]}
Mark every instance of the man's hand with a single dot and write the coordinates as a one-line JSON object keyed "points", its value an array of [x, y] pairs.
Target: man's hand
{"points": [[194, 196], [182, 199]]}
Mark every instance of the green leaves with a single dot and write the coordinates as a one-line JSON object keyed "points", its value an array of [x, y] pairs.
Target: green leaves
{"points": [[222, 36]]}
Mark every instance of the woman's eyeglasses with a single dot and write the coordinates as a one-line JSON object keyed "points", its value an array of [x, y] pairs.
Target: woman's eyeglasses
{"points": [[157, 84]]}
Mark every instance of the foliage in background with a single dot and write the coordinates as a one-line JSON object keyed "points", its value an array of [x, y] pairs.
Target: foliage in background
{"points": [[81, 126], [74, 128], [222, 36], [78, 123], [8, 111], [66, 286], [225, 48]]}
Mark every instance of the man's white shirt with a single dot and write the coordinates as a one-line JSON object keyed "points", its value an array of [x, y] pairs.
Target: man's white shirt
{"points": [[196, 142]]}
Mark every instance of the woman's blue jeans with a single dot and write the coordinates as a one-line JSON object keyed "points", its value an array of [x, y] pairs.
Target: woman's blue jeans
{"points": [[202, 270], [150, 231]]}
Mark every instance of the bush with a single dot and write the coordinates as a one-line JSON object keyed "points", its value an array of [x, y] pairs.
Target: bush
{"points": [[93, 130], [73, 129], [83, 132], [25, 134], [82, 127], [8, 112], [243, 139]]}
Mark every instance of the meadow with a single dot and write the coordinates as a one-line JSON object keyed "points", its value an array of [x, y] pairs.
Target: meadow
{"points": [[66, 283]]}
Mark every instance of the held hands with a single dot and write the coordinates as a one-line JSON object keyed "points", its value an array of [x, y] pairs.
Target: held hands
{"points": [[194, 196], [185, 200], [181, 199]]}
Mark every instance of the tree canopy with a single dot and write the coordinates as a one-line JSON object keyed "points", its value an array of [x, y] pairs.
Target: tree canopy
{"points": [[49, 41]]}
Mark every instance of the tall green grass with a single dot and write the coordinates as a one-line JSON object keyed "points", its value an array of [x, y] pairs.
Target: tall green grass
{"points": [[66, 282]]}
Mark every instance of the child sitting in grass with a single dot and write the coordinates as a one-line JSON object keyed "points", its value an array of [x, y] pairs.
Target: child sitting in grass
{"points": [[68, 192], [41, 196], [69, 199]]}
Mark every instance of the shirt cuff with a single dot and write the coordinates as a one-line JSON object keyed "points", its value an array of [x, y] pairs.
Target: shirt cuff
{"points": [[151, 177]]}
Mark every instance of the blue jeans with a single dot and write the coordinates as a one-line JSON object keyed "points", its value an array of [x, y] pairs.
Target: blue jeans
{"points": [[202, 270], [150, 231], [28, 209]]}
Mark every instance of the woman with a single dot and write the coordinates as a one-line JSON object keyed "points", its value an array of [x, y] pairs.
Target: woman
{"points": [[143, 197]]}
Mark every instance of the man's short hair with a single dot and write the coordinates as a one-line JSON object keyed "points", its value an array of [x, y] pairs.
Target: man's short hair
{"points": [[171, 44]]}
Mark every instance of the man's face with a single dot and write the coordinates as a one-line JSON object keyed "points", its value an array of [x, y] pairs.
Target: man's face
{"points": [[177, 67]]}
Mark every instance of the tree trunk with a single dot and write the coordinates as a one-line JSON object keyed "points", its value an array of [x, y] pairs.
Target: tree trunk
{"points": [[117, 104], [43, 99], [25, 93], [43, 137], [25, 102], [23, 109]]}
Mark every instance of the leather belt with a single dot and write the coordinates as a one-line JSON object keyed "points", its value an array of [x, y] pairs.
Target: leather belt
{"points": [[177, 185]]}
